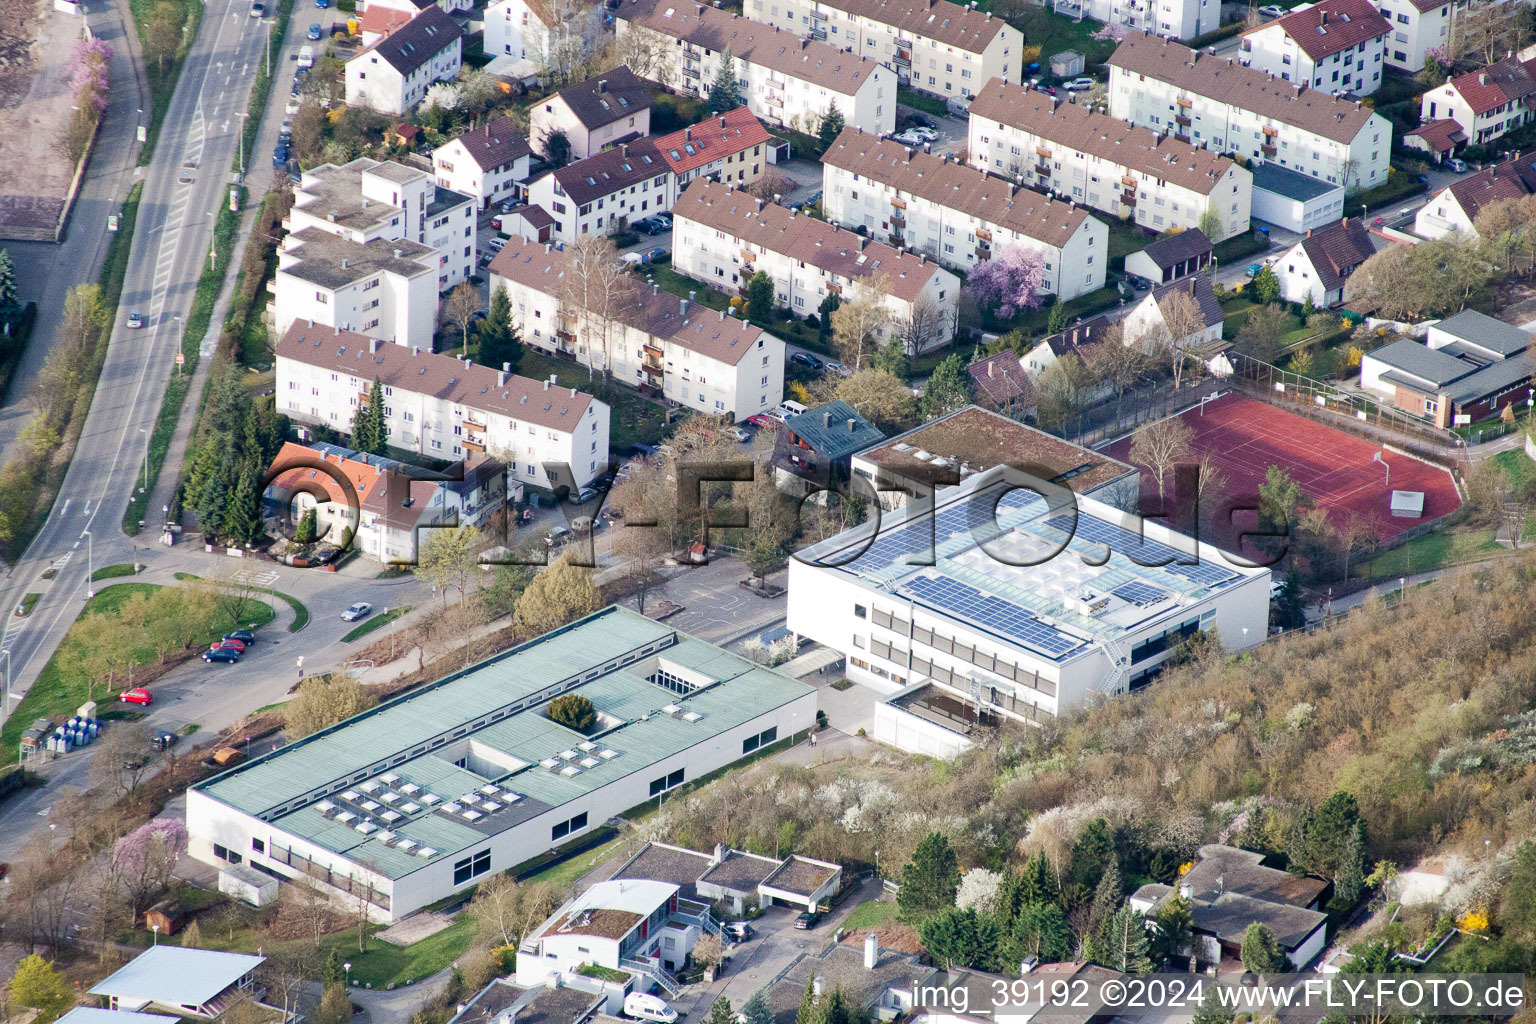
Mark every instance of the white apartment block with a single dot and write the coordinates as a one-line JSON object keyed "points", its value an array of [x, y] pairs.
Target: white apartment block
{"points": [[665, 346], [605, 192], [1152, 180], [594, 115], [368, 200], [487, 162], [784, 78], [443, 407], [383, 289], [392, 75], [1418, 26], [722, 237], [1217, 103], [957, 214], [1335, 46], [1172, 19], [540, 30], [1487, 103], [934, 46]]}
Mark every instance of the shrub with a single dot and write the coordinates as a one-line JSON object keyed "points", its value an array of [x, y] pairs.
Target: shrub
{"points": [[573, 711]]}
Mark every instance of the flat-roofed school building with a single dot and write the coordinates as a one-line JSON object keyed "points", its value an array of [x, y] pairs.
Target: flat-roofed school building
{"points": [[423, 795]]}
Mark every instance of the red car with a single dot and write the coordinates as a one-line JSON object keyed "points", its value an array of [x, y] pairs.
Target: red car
{"points": [[764, 421], [137, 695], [228, 644]]}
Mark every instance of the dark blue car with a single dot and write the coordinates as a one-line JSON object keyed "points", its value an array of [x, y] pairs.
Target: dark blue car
{"points": [[225, 654], [280, 154]]}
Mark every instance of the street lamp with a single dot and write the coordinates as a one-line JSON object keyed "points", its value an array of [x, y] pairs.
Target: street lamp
{"points": [[156, 929], [145, 432], [268, 26], [242, 115], [90, 558], [348, 968], [5, 707]]}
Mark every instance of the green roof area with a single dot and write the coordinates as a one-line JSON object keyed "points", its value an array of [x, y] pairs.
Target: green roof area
{"points": [[383, 788]]}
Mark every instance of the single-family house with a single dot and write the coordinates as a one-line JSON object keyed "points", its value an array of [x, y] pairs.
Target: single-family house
{"points": [[1455, 207], [548, 34], [1438, 138], [1487, 103], [1336, 46], [187, 981], [594, 115], [488, 162], [1321, 263], [731, 147], [812, 451], [1000, 383], [1189, 306], [606, 192], [392, 75]]}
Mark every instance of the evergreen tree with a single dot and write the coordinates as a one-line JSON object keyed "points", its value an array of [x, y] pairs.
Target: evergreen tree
{"points": [[929, 882], [1266, 286], [1260, 952], [1091, 855], [369, 431], [499, 343], [1252, 836], [1039, 880], [1010, 900], [892, 358], [332, 971], [963, 938], [1056, 319], [1175, 924], [721, 1013], [948, 389], [831, 126], [760, 297], [1329, 834], [308, 527], [242, 517], [1106, 899], [810, 1012], [757, 1010], [1123, 943], [837, 1009], [1517, 912], [8, 298], [1349, 876], [725, 94], [1040, 930], [214, 499]]}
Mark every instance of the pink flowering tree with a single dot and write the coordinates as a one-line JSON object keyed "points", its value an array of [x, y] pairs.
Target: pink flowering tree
{"points": [[1008, 282], [1110, 33], [89, 75], [145, 858]]}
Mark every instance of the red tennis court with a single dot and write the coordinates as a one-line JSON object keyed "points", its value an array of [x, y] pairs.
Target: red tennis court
{"points": [[1244, 437]]}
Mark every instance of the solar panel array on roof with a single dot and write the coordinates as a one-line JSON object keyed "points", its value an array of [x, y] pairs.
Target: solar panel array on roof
{"points": [[1143, 551], [1140, 593], [994, 613], [975, 518]]}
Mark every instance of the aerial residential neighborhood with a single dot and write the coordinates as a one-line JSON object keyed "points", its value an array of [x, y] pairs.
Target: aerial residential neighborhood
{"points": [[765, 511]]}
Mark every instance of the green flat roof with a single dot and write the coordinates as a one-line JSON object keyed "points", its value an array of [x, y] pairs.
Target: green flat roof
{"points": [[311, 789]]}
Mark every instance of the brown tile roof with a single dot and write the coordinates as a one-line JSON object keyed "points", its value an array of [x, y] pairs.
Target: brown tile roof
{"points": [[444, 377], [1510, 180], [1108, 138], [957, 186], [1246, 88], [605, 173], [1177, 248], [495, 143], [1198, 287], [950, 23], [1510, 80], [985, 439], [1336, 250], [714, 139], [418, 41], [1085, 339], [384, 20], [807, 239], [603, 100], [753, 42], [1330, 27], [1441, 136], [1002, 379], [662, 314]]}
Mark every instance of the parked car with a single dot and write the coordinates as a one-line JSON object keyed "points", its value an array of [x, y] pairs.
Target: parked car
{"points": [[786, 409], [1138, 282], [228, 645], [648, 226], [1079, 85], [808, 920], [922, 121], [806, 359], [926, 134], [314, 31], [1254, 270], [764, 421], [222, 655], [813, 198], [644, 1006], [632, 259], [958, 106], [496, 244], [655, 254], [135, 319], [1456, 164], [137, 695], [185, 177], [833, 366], [665, 217], [1045, 89], [556, 536], [739, 931], [258, 11], [1272, 10], [245, 636], [292, 106], [322, 4], [306, 57], [359, 610], [908, 138], [279, 154], [582, 496], [741, 434]]}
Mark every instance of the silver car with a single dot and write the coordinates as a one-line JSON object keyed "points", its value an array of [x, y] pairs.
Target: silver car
{"points": [[360, 610]]}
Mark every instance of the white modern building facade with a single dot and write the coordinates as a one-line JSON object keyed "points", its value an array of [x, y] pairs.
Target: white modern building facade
{"points": [[428, 793], [1172, 19], [666, 346], [1418, 26], [938, 47], [443, 407], [1151, 180], [382, 289], [784, 78], [956, 214], [1217, 103], [1061, 606], [723, 237]]}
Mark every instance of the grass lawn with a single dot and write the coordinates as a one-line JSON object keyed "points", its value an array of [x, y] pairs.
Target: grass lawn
{"points": [[1124, 239], [871, 914], [377, 622], [1398, 186], [923, 101], [633, 419], [108, 572], [300, 612], [678, 284], [1432, 551], [55, 697], [565, 873], [1056, 32]]}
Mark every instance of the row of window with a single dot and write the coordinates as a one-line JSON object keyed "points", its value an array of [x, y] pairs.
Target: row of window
{"points": [[565, 828], [762, 739], [471, 867], [666, 782], [963, 650]]}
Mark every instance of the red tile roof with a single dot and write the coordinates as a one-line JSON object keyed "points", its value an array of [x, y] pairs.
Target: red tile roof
{"points": [[715, 139], [1330, 27], [1510, 180], [1507, 81], [1441, 136], [383, 20], [362, 476]]}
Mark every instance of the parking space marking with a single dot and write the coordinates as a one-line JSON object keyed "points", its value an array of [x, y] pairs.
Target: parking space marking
{"points": [[253, 577]]}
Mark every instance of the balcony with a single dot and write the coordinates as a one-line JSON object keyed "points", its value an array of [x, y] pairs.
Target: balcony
{"points": [[1128, 198], [1129, 182], [1042, 153], [1044, 170], [1185, 102], [565, 343], [835, 289], [690, 72], [748, 256], [898, 222], [983, 252], [819, 34], [896, 239], [1269, 150], [1183, 137], [1270, 131], [900, 204], [474, 446], [985, 234], [819, 15], [903, 58], [903, 44], [1182, 119]]}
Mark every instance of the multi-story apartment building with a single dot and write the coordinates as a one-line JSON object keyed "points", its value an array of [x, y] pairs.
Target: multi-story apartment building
{"points": [[393, 74], [604, 192], [1172, 19], [1486, 103], [784, 78], [369, 199], [1217, 103], [1112, 165], [441, 406], [546, 32], [487, 162], [722, 236], [594, 115], [383, 289], [1336, 46], [1418, 26], [933, 45], [731, 147], [957, 214], [670, 347]]}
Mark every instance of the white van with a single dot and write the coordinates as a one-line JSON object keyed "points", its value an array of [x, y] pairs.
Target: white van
{"points": [[307, 57], [786, 409], [648, 1007]]}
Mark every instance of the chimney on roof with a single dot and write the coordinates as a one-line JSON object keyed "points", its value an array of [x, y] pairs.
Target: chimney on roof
{"points": [[991, 369], [546, 385], [1482, 79], [805, 44], [623, 149], [1309, 232], [415, 351], [331, 216], [682, 307], [501, 377], [871, 941], [397, 253], [826, 418], [688, 133], [602, 85], [1325, 18], [852, 424], [373, 345], [722, 316], [312, 324], [573, 392], [345, 263]]}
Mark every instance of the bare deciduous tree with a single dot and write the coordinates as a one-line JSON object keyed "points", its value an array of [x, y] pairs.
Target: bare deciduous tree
{"points": [[859, 325], [1160, 446], [648, 54], [460, 309], [596, 294], [924, 327]]}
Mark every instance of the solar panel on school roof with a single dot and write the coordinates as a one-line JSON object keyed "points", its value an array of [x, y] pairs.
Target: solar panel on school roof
{"points": [[1140, 593], [992, 612], [1143, 551]]}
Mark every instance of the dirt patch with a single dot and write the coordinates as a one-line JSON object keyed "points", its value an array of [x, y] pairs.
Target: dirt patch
{"points": [[36, 44], [903, 938], [1517, 302]]}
